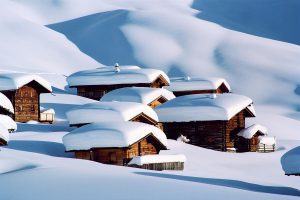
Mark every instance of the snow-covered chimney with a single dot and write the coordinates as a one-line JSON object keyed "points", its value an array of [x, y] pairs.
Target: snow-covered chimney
{"points": [[117, 67], [213, 96], [187, 78]]}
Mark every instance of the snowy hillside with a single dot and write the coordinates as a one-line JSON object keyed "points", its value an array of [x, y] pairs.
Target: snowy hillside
{"points": [[256, 51]]}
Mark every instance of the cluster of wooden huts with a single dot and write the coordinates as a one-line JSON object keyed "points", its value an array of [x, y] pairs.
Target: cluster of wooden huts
{"points": [[136, 111]]}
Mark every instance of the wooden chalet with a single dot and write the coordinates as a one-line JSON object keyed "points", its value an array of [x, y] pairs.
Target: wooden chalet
{"points": [[152, 97], [115, 144], [95, 83], [112, 111], [210, 121], [187, 85], [24, 90], [249, 138]]}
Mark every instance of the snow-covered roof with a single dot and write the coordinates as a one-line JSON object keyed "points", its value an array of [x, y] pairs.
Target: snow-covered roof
{"points": [[47, 110], [108, 111], [142, 95], [251, 130], [4, 134], [13, 81], [202, 107], [6, 103], [267, 140], [109, 76], [194, 84], [8, 122], [108, 134], [149, 159]]}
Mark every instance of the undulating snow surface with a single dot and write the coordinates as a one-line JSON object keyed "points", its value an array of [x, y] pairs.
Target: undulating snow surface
{"points": [[109, 111], [148, 159], [142, 95], [8, 122], [180, 37]]}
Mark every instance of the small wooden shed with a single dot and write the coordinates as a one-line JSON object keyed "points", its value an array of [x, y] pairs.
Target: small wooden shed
{"points": [[115, 144], [47, 115], [152, 97], [266, 144], [192, 85], [249, 138], [24, 90], [111, 112], [95, 83], [210, 121]]}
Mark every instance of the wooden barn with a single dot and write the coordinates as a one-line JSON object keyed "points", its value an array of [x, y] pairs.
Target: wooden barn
{"points": [[4, 135], [152, 97], [112, 112], [210, 121], [24, 90], [249, 138], [95, 83], [186, 85], [115, 143]]}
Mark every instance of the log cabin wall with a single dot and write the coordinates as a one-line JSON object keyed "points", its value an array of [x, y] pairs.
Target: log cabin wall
{"points": [[220, 90], [157, 102], [217, 135]]}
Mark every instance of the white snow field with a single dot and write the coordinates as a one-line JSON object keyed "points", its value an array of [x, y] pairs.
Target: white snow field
{"points": [[202, 38]]}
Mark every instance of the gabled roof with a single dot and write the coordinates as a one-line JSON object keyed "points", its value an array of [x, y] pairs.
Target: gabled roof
{"points": [[108, 111], [109, 76], [111, 135], [196, 84], [250, 131], [202, 107], [14, 81], [6, 103], [142, 95]]}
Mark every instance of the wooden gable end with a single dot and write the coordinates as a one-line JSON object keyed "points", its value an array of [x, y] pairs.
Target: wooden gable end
{"points": [[158, 101], [159, 82], [142, 117]]}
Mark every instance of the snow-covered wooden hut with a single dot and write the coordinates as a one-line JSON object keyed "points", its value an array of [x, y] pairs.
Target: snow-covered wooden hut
{"points": [[47, 115], [95, 83], [8, 122], [207, 120], [24, 90], [6, 107], [266, 144], [111, 112], [191, 85], [115, 143], [159, 162], [152, 97], [249, 138], [4, 135]]}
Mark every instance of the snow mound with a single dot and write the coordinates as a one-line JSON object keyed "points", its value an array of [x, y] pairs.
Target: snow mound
{"points": [[108, 111], [108, 134], [199, 107], [142, 95], [290, 161], [109, 76], [267, 140], [4, 134], [6, 103], [14, 81], [8, 122], [251, 130], [194, 83], [148, 159]]}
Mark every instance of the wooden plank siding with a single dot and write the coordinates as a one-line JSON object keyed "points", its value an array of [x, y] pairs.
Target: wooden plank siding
{"points": [[96, 92], [160, 100], [220, 90], [2, 142], [217, 135], [161, 166]]}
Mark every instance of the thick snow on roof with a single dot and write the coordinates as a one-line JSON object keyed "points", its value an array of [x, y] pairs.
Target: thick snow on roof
{"points": [[108, 134], [4, 134], [200, 107], [108, 111], [251, 130], [47, 110], [193, 83], [142, 95], [148, 159], [8, 122], [6, 103], [267, 140], [13, 81], [109, 76]]}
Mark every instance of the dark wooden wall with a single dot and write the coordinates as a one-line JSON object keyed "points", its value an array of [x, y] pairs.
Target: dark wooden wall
{"points": [[217, 135], [161, 166], [4, 111], [2, 142], [219, 90]]}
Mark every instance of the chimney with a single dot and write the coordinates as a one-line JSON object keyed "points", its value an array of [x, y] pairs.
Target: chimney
{"points": [[117, 67]]}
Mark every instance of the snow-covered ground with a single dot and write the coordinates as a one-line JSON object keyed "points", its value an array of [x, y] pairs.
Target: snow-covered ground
{"points": [[182, 37]]}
